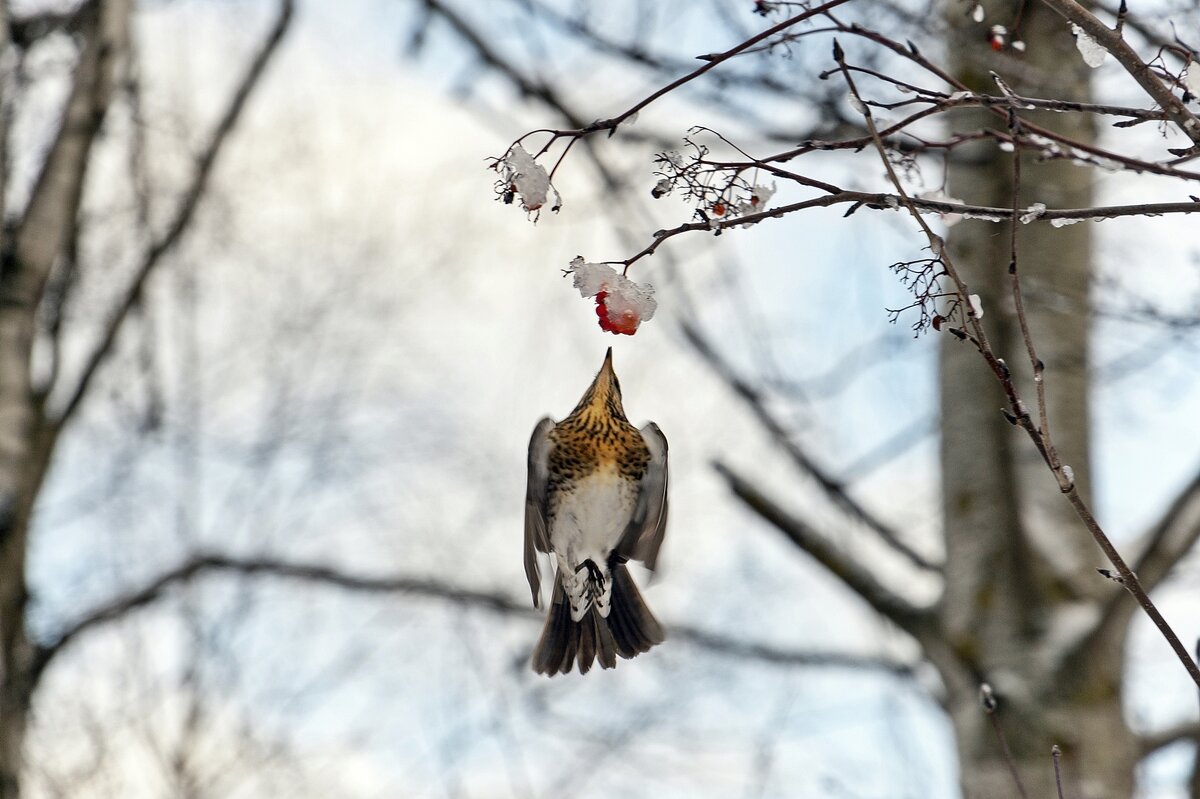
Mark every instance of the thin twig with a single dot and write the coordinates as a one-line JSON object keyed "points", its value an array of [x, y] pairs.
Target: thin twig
{"points": [[1138, 69], [1056, 755], [1035, 363], [987, 698], [1019, 413]]}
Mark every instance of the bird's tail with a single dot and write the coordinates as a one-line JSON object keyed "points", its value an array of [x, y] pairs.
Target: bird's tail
{"points": [[634, 628], [629, 630]]}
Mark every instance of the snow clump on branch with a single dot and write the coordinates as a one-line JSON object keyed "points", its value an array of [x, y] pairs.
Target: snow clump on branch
{"points": [[621, 304], [1191, 78], [1093, 54], [526, 178]]}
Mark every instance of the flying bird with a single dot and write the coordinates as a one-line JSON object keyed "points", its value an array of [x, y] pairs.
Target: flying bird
{"points": [[596, 499]]}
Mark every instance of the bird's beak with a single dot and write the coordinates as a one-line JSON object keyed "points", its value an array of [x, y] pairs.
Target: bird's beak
{"points": [[606, 378]]}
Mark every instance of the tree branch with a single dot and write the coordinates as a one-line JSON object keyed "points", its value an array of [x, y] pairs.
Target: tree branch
{"points": [[900, 611], [1171, 538], [24, 31], [1017, 412], [832, 487], [1150, 743], [185, 212], [1112, 41], [208, 564], [49, 219]]}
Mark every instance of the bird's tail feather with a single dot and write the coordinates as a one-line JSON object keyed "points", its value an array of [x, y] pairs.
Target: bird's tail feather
{"points": [[555, 650], [629, 630], [633, 626]]}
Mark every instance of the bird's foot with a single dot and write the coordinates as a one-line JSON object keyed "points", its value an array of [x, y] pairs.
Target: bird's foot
{"points": [[595, 575]]}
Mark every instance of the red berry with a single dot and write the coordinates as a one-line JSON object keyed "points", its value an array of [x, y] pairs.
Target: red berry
{"points": [[627, 324], [719, 209]]}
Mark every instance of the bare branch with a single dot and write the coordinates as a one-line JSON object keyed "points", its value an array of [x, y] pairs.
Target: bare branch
{"points": [[1112, 41], [528, 87], [184, 214], [1019, 414], [202, 565], [857, 578], [832, 487], [1171, 538], [27, 29], [1150, 743], [49, 220]]}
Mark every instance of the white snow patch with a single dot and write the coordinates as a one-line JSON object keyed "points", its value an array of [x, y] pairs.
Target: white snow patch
{"points": [[856, 103], [976, 306], [623, 298], [1191, 78], [1033, 212], [528, 176], [1063, 222], [950, 218], [1093, 54], [759, 197]]}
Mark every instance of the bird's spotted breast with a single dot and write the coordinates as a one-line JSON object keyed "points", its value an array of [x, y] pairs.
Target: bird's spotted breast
{"points": [[589, 443]]}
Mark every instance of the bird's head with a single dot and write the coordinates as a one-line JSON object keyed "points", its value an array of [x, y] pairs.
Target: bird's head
{"points": [[603, 397]]}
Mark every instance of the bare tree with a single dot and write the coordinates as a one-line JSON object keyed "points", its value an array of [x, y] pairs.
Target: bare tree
{"points": [[1022, 611], [1020, 608], [43, 262]]}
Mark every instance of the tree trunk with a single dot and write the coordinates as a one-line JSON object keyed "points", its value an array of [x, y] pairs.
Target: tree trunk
{"points": [[1018, 562], [45, 231]]}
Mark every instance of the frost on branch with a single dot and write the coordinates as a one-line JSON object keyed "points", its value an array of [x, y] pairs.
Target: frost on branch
{"points": [[759, 197], [1191, 78], [940, 196], [524, 177], [621, 304], [1093, 54], [720, 192], [1033, 212]]}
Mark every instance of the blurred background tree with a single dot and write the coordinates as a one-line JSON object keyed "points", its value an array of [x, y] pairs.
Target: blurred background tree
{"points": [[264, 409]]}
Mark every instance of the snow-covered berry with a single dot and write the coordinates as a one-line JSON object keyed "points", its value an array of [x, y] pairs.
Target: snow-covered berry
{"points": [[526, 177], [621, 304]]}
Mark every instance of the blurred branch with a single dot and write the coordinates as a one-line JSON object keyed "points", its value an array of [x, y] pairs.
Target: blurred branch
{"points": [[832, 487], [1150, 743], [855, 575], [1159, 550], [185, 212], [26, 30], [1140, 24], [50, 216], [1171, 538], [200, 565], [527, 86]]}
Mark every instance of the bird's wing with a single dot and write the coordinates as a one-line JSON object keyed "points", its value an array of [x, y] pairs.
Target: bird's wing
{"points": [[644, 535], [536, 538]]}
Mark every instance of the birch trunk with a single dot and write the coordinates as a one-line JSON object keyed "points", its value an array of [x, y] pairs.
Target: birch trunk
{"points": [[46, 228], [1019, 564]]}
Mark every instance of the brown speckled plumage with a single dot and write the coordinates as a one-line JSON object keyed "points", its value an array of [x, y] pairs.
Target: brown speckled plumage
{"points": [[596, 499]]}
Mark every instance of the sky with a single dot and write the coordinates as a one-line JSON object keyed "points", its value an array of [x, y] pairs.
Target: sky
{"points": [[355, 345]]}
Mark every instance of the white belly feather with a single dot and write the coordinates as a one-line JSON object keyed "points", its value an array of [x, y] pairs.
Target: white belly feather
{"points": [[587, 524]]}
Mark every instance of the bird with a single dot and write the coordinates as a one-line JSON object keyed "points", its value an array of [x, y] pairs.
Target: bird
{"points": [[596, 499]]}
